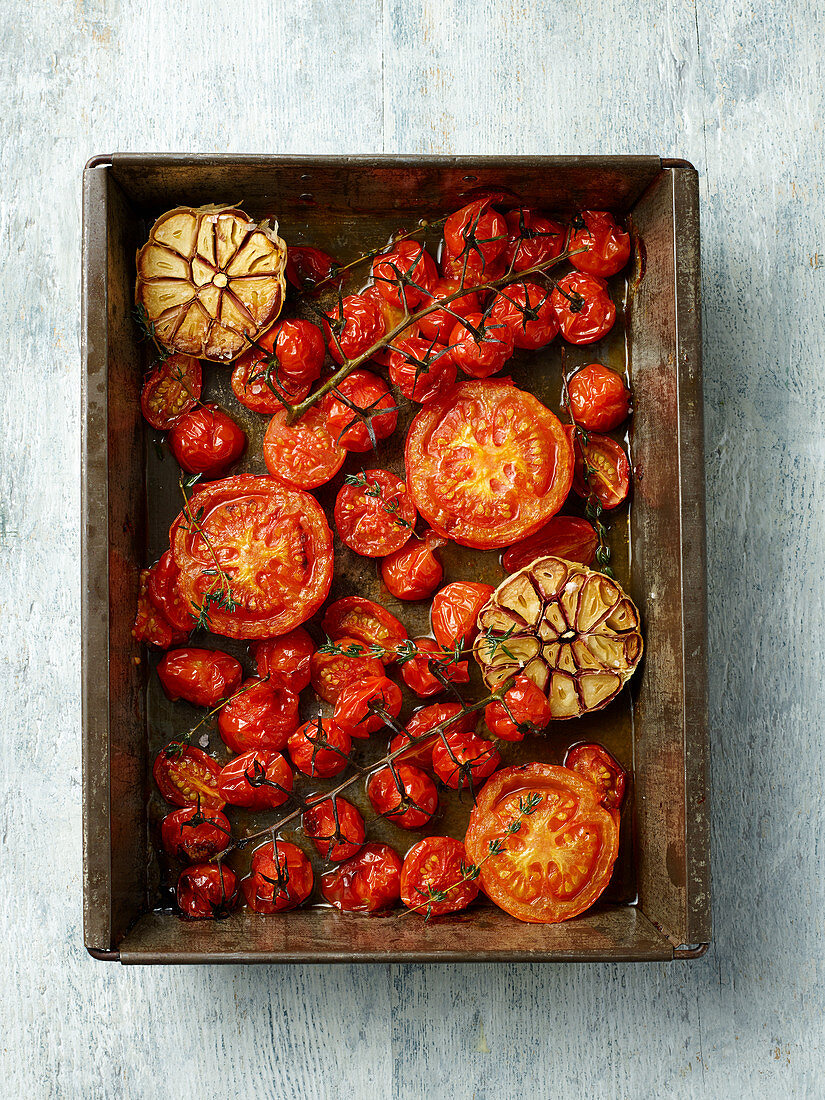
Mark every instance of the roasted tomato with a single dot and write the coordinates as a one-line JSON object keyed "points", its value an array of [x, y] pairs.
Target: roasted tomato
{"points": [[283, 364], [599, 399], [435, 879], [532, 239], [462, 760], [347, 661], [419, 672], [281, 878], [527, 311], [563, 537], [422, 369], [353, 326], [319, 749], [275, 550], [207, 891], [262, 717], [608, 246], [335, 827], [257, 780], [558, 859], [193, 835], [366, 883], [304, 454], [403, 794], [481, 345], [151, 625], [187, 776], [488, 465], [165, 594], [440, 323], [603, 770], [306, 267], [583, 307], [414, 571], [171, 389], [524, 709], [285, 661], [374, 513], [206, 441], [455, 610], [606, 473], [448, 716], [475, 236], [355, 707], [367, 622], [200, 676], [360, 411], [406, 274]]}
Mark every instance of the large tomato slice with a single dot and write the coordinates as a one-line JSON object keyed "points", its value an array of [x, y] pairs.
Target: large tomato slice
{"points": [[269, 544], [488, 465], [559, 859]]}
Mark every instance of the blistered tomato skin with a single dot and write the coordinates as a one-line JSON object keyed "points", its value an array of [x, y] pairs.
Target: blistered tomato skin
{"points": [[528, 312], [462, 760], [415, 571], [583, 308], [335, 827], [481, 346], [455, 610], [525, 709], [599, 398], [195, 835], [403, 794], [200, 676], [356, 709], [304, 454], [422, 369], [475, 233], [257, 780], [607, 245], [330, 672], [361, 411], [207, 891], [353, 327], [532, 238], [440, 323], [285, 661], [319, 748], [263, 717], [434, 879], [307, 266], [406, 274], [419, 672], [206, 441], [365, 883], [152, 627], [280, 878], [421, 740]]}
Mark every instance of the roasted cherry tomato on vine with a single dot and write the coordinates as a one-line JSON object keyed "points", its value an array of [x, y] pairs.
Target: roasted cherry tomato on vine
{"points": [[206, 441], [319, 748], [532, 239], [434, 877], [257, 780], [422, 369], [529, 711], [283, 365], [414, 571], [349, 662], [280, 878], [207, 891], [563, 537], [603, 770], [420, 752], [367, 622], [403, 794], [151, 625], [200, 676], [480, 345], [583, 307], [605, 473], [599, 399], [335, 827], [263, 717], [165, 594], [528, 312], [462, 760], [360, 411], [171, 389], [374, 513], [440, 323], [304, 454], [195, 835], [353, 326], [455, 610], [607, 244], [355, 707], [366, 883], [420, 677], [307, 266], [186, 775], [474, 238], [406, 274], [285, 660]]}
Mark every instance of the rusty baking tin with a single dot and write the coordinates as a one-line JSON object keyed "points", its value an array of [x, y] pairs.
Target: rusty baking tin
{"points": [[658, 906]]}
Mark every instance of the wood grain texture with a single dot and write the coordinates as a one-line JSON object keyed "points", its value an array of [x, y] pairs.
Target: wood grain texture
{"points": [[738, 90]]}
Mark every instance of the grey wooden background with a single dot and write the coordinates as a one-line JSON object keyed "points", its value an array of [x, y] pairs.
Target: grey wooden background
{"points": [[735, 87]]}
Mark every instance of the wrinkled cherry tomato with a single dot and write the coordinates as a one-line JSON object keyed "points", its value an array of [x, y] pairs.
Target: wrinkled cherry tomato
{"points": [[263, 717], [366, 883], [200, 676], [206, 441], [422, 369], [583, 307], [440, 323], [207, 891], [419, 677], [532, 239], [433, 878], [482, 350], [319, 749], [166, 595], [186, 775], [476, 235], [360, 428], [414, 571], [529, 707], [603, 770], [335, 827], [599, 399], [374, 513], [403, 794], [304, 454], [285, 361], [420, 753], [353, 326], [171, 389], [285, 660], [608, 475], [528, 312], [563, 537], [151, 625], [354, 711], [607, 244], [307, 266], [367, 622], [281, 878], [455, 610], [257, 780], [462, 760], [406, 274], [331, 672], [194, 835]]}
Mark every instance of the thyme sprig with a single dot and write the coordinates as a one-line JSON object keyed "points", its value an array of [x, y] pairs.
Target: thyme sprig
{"points": [[374, 490], [179, 744], [221, 595], [148, 332]]}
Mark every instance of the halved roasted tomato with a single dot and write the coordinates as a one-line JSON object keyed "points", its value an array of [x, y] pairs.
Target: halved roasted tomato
{"points": [[171, 389], [602, 469], [367, 622], [186, 775], [304, 454]]}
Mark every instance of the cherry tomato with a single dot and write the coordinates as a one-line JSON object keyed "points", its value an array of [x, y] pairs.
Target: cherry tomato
{"points": [[367, 622], [414, 571], [200, 676], [608, 246], [354, 707], [353, 326], [599, 399], [608, 470], [281, 878], [392, 315], [603, 770], [422, 369], [361, 427], [304, 454], [563, 537], [283, 363], [403, 794], [406, 274], [462, 760], [151, 625], [165, 594], [583, 307], [440, 323], [331, 672], [307, 266], [374, 513], [366, 883], [476, 234], [206, 441], [532, 239], [285, 660], [471, 270], [319, 749], [194, 835], [171, 389], [207, 891], [484, 348], [559, 860], [257, 780], [186, 775], [529, 711], [455, 610], [420, 753], [528, 312], [419, 676], [434, 877], [263, 717], [335, 827]]}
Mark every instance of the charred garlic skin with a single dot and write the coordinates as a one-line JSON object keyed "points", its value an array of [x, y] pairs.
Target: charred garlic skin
{"points": [[570, 629]]}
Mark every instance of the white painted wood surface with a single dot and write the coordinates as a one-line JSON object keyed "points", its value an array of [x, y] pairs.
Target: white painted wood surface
{"points": [[736, 88]]}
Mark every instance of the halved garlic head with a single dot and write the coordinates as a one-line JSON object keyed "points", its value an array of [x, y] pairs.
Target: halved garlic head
{"points": [[572, 630], [210, 280]]}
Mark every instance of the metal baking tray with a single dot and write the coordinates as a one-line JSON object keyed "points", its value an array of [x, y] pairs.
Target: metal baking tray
{"points": [[658, 904]]}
